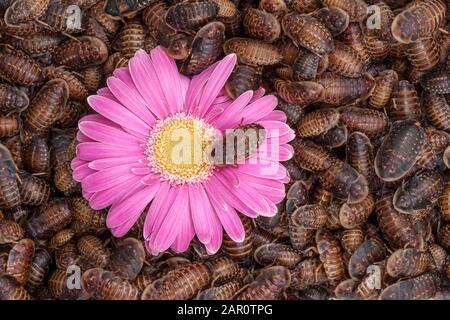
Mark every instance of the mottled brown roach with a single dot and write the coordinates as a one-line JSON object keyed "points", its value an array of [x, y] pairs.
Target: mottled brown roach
{"points": [[206, 47], [339, 90], [268, 285], [334, 18], [301, 93], [34, 191], [36, 155], [308, 272], [9, 190], [127, 258], [39, 269], [370, 122], [261, 25], [352, 215], [252, 52], [242, 79], [369, 252], [93, 250], [306, 6], [277, 254], [191, 15], [49, 219], [317, 122], [9, 125], [182, 283], [385, 83], [81, 53], [308, 32], [61, 238], [330, 253], [420, 288], [405, 102], [356, 9], [18, 68], [59, 17], [240, 252], [10, 231], [311, 156], [20, 259], [345, 61], [399, 150], [77, 90], [25, 10], [418, 20], [10, 289], [57, 284]]}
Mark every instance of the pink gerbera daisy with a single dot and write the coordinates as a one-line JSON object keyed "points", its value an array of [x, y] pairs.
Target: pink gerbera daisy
{"points": [[123, 157]]}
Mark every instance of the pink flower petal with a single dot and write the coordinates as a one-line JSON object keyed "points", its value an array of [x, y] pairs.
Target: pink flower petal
{"points": [[276, 115], [102, 199], [76, 162], [169, 79], [272, 170], [117, 113], [231, 115], [227, 216], [107, 178], [275, 128], [158, 208], [215, 83], [186, 233], [166, 234], [259, 109], [131, 100], [216, 237], [105, 92], [100, 119], [101, 164], [90, 151], [201, 212], [83, 138], [258, 94], [132, 205], [82, 172], [195, 89], [108, 135], [147, 83]]}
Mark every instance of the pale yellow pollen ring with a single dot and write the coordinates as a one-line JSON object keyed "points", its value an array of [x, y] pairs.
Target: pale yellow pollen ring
{"points": [[177, 149]]}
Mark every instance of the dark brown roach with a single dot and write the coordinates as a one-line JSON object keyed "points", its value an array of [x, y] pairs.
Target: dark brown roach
{"points": [[81, 53], [12, 99], [345, 61], [354, 38], [339, 90], [356, 9], [317, 122], [131, 38], [10, 289], [420, 288], [9, 125], [240, 252], [182, 283], [308, 65], [119, 9], [330, 253], [385, 83], [84, 213], [20, 259], [10, 231], [127, 258], [399, 150], [424, 54], [63, 179], [206, 47], [242, 79], [36, 155], [9, 190], [60, 18], [191, 15], [308, 32], [313, 216], [418, 20], [61, 238], [57, 285], [437, 110], [36, 44], [344, 182], [226, 291], [405, 102], [77, 90], [261, 25], [49, 219], [352, 215], [335, 19], [46, 106], [370, 122], [301, 93], [277, 254], [178, 45], [92, 249], [306, 6], [311, 156], [17, 67], [360, 154], [409, 262], [268, 285], [369, 252], [437, 82], [252, 52], [308, 272], [419, 193], [34, 191], [25, 10], [39, 269], [351, 239]]}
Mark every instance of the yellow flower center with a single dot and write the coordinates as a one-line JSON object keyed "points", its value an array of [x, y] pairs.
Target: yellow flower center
{"points": [[176, 149]]}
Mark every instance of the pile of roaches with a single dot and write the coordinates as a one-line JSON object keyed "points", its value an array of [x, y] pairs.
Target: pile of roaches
{"points": [[365, 85]]}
